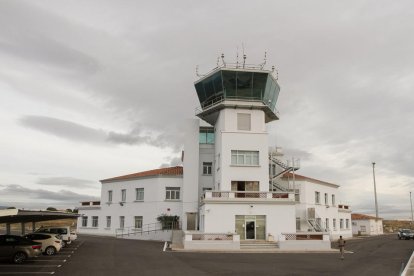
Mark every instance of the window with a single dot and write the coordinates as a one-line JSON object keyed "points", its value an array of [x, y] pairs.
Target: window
{"points": [[347, 223], [206, 135], [298, 224], [94, 221], [123, 195], [138, 222], [172, 193], [297, 195], [207, 168], [121, 222], [334, 224], [108, 221], [84, 221], [363, 228], [317, 197], [326, 223], [341, 224], [243, 121], [109, 196], [326, 199], [333, 200], [207, 189], [244, 158], [139, 194]]}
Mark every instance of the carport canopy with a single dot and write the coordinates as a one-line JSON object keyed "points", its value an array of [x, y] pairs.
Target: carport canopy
{"points": [[10, 216]]}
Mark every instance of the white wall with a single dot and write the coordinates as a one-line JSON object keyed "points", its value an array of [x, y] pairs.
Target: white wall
{"points": [[371, 226], [191, 170], [228, 138], [154, 203], [221, 218]]}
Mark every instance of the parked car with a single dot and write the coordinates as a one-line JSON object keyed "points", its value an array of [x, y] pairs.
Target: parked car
{"points": [[50, 242], [64, 231], [405, 234], [73, 236], [18, 249]]}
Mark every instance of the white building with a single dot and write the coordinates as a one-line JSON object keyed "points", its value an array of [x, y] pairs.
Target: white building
{"points": [[223, 187], [366, 225]]}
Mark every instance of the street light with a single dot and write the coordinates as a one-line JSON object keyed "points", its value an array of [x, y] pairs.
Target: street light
{"points": [[411, 201], [375, 190]]}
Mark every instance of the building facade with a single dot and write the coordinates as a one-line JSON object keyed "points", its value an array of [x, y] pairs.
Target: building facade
{"points": [[366, 225], [229, 183]]}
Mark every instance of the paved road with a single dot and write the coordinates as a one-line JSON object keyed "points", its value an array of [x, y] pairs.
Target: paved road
{"points": [[108, 256]]}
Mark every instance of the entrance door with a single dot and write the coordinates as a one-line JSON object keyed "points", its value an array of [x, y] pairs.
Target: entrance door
{"points": [[191, 221], [250, 230]]}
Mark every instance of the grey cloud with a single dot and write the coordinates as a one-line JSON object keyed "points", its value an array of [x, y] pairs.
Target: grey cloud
{"points": [[80, 133], [64, 129], [40, 194], [175, 161], [31, 41], [69, 182]]}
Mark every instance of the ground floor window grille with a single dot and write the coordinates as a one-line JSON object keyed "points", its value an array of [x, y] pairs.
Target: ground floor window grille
{"points": [[341, 224], [298, 224], [121, 222], [108, 222], [84, 221], [334, 224], [347, 223], [94, 221], [138, 222]]}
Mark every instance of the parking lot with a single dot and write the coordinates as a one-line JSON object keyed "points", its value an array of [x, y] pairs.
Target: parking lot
{"points": [[383, 255], [42, 265]]}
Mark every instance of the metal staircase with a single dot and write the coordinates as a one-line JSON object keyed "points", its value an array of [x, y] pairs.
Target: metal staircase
{"points": [[314, 221], [287, 166]]}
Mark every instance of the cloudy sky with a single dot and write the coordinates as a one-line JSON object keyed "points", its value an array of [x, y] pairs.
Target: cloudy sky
{"points": [[96, 89]]}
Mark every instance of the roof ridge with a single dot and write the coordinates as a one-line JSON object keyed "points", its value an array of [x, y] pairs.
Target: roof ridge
{"points": [[176, 170]]}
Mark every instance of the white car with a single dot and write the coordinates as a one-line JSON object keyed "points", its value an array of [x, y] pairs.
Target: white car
{"points": [[50, 242], [73, 236], [64, 231]]}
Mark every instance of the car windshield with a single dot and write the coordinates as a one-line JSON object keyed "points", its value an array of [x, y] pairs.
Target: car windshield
{"points": [[406, 231]]}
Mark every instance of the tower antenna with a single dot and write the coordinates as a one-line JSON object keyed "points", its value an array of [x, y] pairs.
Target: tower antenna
{"points": [[222, 58], [244, 56], [237, 57], [264, 61]]}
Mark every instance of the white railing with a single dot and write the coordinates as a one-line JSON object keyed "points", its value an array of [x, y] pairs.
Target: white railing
{"points": [[248, 195]]}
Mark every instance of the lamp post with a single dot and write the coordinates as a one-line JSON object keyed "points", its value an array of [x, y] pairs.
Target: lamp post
{"points": [[411, 201], [375, 190]]}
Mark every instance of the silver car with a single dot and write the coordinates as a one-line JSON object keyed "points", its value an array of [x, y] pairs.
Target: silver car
{"points": [[18, 249]]}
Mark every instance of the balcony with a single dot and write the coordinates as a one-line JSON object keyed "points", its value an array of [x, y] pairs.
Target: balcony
{"points": [[247, 197]]}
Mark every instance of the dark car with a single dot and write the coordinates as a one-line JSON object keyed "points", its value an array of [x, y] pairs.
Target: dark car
{"points": [[17, 249], [405, 234]]}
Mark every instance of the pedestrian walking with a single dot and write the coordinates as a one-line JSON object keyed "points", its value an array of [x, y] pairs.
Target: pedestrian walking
{"points": [[341, 245]]}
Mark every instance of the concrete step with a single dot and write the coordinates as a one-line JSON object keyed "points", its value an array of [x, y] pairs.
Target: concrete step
{"points": [[258, 245]]}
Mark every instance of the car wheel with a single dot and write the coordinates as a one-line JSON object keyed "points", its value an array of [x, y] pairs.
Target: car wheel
{"points": [[19, 257], [51, 250]]}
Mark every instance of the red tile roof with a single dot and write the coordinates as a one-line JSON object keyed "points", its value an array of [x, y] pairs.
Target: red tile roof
{"points": [[362, 217], [301, 177], [178, 170]]}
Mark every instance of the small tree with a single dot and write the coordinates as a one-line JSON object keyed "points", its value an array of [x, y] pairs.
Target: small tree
{"points": [[51, 209], [69, 211], [75, 211], [11, 207], [168, 221]]}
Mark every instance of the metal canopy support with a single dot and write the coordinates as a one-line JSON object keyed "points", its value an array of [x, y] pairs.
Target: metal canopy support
{"points": [[23, 228], [8, 228], [33, 226]]}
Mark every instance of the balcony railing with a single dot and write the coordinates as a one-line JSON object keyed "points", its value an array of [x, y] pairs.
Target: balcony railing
{"points": [[247, 196]]}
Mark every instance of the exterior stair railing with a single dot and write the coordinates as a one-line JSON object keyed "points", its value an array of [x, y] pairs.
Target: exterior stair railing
{"points": [[314, 221], [146, 228], [287, 167]]}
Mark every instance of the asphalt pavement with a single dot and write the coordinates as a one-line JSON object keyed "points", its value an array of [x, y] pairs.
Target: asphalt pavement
{"points": [[382, 255]]}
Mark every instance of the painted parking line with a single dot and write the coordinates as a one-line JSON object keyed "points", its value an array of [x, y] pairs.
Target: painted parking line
{"points": [[29, 265], [29, 261], [28, 273]]}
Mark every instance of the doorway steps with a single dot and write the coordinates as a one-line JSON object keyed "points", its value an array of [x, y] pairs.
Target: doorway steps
{"points": [[258, 245]]}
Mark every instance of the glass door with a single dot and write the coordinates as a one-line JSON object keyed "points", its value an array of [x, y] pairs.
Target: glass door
{"points": [[250, 230]]}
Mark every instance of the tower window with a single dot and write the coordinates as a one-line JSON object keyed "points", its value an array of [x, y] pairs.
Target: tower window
{"points": [[207, 168], [243, 121], [244, 158]]}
